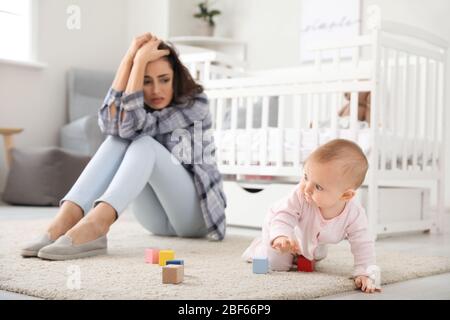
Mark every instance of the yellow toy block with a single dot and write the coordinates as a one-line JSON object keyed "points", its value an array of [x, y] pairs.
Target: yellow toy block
{"points": [[165, 255]]}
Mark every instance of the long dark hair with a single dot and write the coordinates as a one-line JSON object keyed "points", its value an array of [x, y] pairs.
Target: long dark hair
{"points": [[184, 86]]}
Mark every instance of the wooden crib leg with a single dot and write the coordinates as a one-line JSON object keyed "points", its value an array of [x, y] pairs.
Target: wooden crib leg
{"points": [[438, 223], [8, 142]]}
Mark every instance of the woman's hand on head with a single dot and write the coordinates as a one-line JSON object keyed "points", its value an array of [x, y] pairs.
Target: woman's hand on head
{"points": [[137, 43], [149, 51]]}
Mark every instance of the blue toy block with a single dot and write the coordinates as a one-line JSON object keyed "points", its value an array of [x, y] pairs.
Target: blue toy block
{"points": [[180, 262], [260, 265]]}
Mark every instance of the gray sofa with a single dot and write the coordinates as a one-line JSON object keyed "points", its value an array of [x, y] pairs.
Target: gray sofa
{"points": [[86, 92]]}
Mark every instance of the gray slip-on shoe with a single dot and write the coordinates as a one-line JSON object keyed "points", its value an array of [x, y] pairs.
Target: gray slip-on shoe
{"points": [[64, 249], [32, 248]]}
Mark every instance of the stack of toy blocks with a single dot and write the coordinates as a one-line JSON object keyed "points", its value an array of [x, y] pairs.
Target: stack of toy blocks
{"points": [[304, 264], [173, 271]]}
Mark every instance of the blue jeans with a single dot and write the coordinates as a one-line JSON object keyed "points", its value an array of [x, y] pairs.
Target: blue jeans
{"points": [[142, 173]]}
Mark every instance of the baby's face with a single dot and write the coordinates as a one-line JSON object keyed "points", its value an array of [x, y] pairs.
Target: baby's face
{"points": [[322, 183]]}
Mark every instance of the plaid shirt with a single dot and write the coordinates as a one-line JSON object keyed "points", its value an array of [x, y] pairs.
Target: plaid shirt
{"points": [[190, 121]]}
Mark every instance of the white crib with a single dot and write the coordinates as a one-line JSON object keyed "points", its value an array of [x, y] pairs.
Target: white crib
{"points": [[266, 124], [206, 64]]}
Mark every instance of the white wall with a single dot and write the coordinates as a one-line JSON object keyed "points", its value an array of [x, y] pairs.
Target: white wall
{"points": [[164, 18], [182, 22], [431, 15], [271, 29], [147, 16], [36, 99]]}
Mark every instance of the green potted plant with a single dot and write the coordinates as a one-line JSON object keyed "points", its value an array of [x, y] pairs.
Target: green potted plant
{"points": [[207, 15]]}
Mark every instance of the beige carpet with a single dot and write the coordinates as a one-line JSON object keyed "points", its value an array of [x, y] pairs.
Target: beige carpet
{"points": [[212, 270]]}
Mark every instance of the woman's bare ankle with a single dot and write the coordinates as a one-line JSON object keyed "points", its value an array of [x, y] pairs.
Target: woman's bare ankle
{"points": [[54, 232], [86, 230], [68, 216]]}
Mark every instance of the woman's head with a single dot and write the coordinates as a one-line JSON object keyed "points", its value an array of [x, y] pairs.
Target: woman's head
{"points": [[167, 80]]}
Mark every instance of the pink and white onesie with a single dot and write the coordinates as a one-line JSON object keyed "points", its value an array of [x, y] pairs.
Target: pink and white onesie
{"points": [[313, 232]]}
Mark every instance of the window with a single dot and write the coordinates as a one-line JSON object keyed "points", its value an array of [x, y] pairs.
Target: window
{"points": [[16, 30]]}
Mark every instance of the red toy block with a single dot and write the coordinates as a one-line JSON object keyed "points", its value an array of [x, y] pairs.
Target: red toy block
{"points": [[304, 264]]}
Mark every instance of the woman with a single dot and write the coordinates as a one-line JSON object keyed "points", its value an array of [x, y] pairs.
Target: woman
{"points": [[155, 115]]}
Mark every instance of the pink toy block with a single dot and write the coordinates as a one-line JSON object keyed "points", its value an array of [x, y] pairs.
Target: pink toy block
{"points": [[152, 255]]}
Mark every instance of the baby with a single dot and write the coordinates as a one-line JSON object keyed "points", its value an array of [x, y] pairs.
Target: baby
{"points": [[321, 210]]}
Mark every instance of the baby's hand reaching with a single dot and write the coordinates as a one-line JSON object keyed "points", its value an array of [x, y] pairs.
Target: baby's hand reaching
{"points": [[284, 244], [365, 284]]}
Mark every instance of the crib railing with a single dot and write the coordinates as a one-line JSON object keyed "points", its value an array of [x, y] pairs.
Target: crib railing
{"points": [[403, 69], [300, 109], [212, 65], [406, 82], [411, 101], [409, 108], [307, 103]]}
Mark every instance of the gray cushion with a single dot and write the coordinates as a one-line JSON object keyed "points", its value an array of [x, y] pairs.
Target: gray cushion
{"points": [[82, 136], [86, 91], [41, 177]]}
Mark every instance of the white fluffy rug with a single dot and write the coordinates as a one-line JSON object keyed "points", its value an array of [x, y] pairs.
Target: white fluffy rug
{"points": [[213, 270]]}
